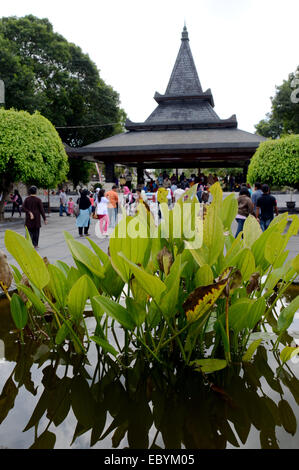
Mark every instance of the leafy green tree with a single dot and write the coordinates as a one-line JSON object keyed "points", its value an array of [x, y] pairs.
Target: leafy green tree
{"points": [[79, 172], [43, 71], [276, 162], [31, 152], [284, 115]]}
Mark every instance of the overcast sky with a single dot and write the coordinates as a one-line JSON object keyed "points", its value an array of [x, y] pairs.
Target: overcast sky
{"points": [[241, 48]]}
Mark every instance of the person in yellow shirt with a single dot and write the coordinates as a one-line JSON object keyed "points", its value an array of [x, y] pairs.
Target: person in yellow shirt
{"points": [[161, 198]]}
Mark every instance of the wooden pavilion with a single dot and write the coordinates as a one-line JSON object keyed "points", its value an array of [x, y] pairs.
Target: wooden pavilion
{"points": [[183, 131]]}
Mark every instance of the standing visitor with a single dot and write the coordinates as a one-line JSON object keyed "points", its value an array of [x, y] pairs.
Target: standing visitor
{"points": [[122, 181], [83, 219], [245, 208], [199, 192], [256, 194], [63, 204], [113, 205], [265, 207], [33, 208], [178, 193], [70, 206], [161, 198], [16, 202], [129, 180], [169, 197], [101, 209]]}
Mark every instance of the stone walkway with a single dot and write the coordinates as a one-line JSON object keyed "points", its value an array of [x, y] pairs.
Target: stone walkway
{"points": [[51, 241]]}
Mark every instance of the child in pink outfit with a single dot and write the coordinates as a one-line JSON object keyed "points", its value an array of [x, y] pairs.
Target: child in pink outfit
{"points": [[70, 206]]}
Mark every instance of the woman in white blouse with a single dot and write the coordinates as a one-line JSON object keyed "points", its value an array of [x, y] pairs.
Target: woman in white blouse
{"points": [[102, 211]]}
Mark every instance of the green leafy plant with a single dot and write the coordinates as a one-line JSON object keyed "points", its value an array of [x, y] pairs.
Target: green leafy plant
{"points": [[276, 162], [197, 298]]}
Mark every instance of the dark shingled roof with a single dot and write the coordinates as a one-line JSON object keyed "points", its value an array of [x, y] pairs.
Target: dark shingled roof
{"points": [[183, 129], [184, 101]]}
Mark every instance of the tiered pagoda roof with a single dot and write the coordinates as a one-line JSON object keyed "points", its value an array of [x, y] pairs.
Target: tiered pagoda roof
{"points": [[184, 105], [183, 130]]}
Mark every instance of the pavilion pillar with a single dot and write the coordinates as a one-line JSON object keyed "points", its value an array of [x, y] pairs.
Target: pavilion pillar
{"points": [[140, 178], [109, 172], [177, 174], [245, 169]]}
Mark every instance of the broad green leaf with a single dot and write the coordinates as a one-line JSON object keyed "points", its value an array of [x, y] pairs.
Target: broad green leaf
{"points": [[295, 263], [72, 277], [151, 284], [273, 247], [217, 197], [258, 248], [17, 275], [18, 311], [204, 276], [251, 231], [288, 352], [115, 311], [111, 283], [61, 334], [213, 237], [85, 256], [237, 314], [251, 350], [99, 252], [36, 302], [229, 211], [83, 289], [131, 238], [136, 311], [103, 343], [209, 365], [255, 312], [27, 257], [58, 284], [236, 247], [65, 268], [287, 314], [169, 299], [245, 262]]}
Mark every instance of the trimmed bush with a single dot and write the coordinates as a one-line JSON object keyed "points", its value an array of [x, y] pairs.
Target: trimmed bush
{"points": [[276, 162]]}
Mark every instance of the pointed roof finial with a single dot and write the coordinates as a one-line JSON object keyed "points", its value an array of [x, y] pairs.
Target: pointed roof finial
{"points": [[185, 36]]}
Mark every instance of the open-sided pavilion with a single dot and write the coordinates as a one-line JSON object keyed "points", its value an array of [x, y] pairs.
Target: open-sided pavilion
{"points": [[183, 131]]}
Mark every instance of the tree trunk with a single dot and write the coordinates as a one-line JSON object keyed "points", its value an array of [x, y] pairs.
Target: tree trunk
{"points": [[5, 188]]}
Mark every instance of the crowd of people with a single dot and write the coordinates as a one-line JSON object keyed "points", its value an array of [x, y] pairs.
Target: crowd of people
{"points": [[104, 205], [259, 203]]}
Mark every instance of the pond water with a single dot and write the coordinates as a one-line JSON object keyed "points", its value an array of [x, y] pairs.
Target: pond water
{"points": [[63, 401]]}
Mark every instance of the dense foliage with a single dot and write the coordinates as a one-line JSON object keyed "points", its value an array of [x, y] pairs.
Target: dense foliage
{"points": [[43, 71], [31, 151], [276, 162], [183, 296], [284, 115]]}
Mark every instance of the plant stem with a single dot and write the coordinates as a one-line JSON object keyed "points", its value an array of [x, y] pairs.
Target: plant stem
{"points": [[227, 327]]}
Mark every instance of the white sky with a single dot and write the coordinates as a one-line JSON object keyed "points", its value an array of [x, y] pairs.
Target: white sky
{"points": [[241, 48]]}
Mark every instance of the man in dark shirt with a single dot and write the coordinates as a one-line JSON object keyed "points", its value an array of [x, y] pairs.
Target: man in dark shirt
{"points": [[33, 207], [265, 207], [257, 194]]}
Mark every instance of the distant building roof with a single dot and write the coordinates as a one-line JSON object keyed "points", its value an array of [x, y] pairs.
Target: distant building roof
{"points": [[184, 122]]}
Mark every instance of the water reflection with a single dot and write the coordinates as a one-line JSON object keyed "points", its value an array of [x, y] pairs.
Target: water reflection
{"points": [[62, 400]]}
